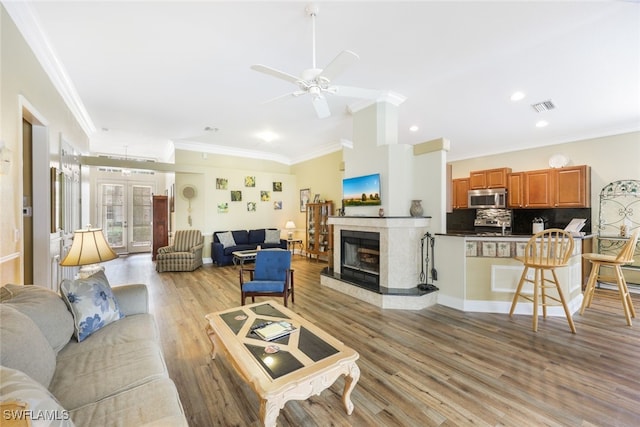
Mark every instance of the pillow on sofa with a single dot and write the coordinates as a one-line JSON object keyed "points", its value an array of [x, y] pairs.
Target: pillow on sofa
{"points": [[272, 236], [17, 386], [24, 346], [226, 239], [46, 309], [91, 302]]}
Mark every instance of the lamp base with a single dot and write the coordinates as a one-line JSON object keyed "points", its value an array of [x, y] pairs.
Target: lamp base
{"points": [[290, 235], [88, 271]]}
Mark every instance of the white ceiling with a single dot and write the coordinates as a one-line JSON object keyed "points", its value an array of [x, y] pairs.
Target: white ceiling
{"points": [[157, 71]]}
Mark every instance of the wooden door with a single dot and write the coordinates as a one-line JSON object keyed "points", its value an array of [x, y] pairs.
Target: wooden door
{"points": [[572, 187], [477, 180], [538, 189], [160, 223], [515, 190], [460, 193], [497, 178]]}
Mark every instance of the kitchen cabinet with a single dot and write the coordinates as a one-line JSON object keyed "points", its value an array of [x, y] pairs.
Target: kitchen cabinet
{"points": [[573, 187], [568, 187], [515, 190], [538, 189], [319, 232], [460, 193], [489, 178], [160, 206]]}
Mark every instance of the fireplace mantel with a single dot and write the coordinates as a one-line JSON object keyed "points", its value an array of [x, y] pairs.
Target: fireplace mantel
{"points": [[381, 222]]}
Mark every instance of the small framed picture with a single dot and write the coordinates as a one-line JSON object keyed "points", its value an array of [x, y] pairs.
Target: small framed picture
{"points": [[277, 186], [316, 198], [305, 194]]}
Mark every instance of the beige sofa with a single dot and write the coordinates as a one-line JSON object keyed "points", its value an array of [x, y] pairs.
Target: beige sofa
{"points": [[115, 376]]}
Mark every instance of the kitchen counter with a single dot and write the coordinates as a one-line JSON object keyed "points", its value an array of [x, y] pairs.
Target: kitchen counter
{"points": [[479, 273]]}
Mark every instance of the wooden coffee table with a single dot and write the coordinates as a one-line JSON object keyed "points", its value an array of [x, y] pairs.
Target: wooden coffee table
{"points": [[294, 367], [239, 257]]}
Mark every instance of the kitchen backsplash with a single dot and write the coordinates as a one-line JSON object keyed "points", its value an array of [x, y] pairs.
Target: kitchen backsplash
{"points": [[461, 220]]}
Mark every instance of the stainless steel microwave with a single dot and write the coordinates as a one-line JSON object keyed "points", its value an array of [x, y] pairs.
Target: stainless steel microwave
{"points": [[489, 198]]}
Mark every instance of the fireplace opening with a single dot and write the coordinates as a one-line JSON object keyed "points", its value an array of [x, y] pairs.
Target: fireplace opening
{"points": [[360, 258]]}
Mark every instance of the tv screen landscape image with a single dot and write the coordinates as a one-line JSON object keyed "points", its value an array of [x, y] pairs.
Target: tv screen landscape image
{"points": [[361, 190]]}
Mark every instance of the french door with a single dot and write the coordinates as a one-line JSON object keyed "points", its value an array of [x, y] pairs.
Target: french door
{"points": [[125, 215]]}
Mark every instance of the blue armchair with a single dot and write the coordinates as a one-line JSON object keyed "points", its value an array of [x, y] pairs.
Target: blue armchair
{"points": [[271, 276]]}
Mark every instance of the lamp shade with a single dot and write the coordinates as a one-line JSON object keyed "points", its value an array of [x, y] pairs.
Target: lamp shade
{"points": [[289, 225], [89, 247]]}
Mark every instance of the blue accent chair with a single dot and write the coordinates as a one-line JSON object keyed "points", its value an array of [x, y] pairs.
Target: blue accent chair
{"points": [[271, 275]]}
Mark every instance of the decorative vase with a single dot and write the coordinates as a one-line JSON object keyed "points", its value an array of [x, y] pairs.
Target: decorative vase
{"points": [[416, 208], [380, 212]]}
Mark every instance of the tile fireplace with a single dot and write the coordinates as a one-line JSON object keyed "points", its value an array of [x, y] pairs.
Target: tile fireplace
{"points": [[382, 249]]}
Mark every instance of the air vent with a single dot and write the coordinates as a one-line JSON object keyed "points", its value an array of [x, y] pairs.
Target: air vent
{"points": [[543, 106]]}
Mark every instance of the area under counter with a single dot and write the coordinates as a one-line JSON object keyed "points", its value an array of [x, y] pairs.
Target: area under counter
{"points": [[478, 273]]}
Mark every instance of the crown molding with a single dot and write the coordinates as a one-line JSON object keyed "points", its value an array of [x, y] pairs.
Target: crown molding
{"points": [[27, 23], [202, 147]]}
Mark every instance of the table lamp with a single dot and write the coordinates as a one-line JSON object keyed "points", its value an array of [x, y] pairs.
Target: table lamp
{"points": [[89, 248], [290, 226]]}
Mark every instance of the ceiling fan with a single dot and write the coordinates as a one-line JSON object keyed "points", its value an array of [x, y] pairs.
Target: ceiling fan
{"points": [[318, 81]]}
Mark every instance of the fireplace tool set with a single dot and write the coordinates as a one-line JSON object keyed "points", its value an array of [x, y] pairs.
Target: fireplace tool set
{"points": [[424, 263]]}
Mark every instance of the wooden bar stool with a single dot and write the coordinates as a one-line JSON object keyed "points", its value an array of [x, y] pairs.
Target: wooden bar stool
{"points": [[625, 256], [545, 251]]}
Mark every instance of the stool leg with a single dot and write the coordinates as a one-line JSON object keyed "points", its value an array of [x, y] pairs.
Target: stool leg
{"points": [[623, 294], [629, 300], [543, 291], [591, 286], [518, 290], [564, 302], [536, 296]]}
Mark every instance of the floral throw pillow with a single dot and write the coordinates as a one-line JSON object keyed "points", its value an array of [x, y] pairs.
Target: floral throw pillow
{"points": [[91, 302]]}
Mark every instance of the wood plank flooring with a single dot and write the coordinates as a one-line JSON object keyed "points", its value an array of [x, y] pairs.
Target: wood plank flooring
{"points": [[432, 367]]}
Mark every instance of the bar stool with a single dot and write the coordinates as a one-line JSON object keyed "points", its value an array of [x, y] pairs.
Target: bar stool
{"points": [[545, 251], [625, 256]]}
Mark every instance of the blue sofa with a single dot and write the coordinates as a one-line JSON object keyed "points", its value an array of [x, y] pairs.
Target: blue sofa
{"points": [[245, 240]]}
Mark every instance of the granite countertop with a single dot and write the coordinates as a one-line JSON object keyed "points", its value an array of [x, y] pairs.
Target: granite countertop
{"points": [[500, 235]]}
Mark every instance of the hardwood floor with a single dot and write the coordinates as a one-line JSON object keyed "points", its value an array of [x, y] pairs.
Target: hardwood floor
{"points": [[436, 366]]}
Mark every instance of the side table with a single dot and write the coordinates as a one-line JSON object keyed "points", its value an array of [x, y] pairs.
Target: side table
{"points": [[291, 245]]}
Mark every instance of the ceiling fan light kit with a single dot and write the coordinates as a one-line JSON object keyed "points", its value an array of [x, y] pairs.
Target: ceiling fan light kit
{"points": [[318, 81]]}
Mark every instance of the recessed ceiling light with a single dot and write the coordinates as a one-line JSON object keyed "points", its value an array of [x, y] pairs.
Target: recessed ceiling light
{"points": [[542, 123], [517, 96], [267, 136], [414, 128]]}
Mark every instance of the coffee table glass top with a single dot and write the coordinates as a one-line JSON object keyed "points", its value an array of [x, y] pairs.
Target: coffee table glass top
{"points": [[277, 361]]}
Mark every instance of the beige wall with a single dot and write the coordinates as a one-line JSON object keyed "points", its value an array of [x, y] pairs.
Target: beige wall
{"points": [[24, 82], [322, 176]]}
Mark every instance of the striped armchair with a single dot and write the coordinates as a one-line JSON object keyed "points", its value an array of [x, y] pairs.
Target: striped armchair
{"points": [[184, 255]]}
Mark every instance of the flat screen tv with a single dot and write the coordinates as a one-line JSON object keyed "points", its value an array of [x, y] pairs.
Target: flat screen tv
{"points": [[361, 190]]}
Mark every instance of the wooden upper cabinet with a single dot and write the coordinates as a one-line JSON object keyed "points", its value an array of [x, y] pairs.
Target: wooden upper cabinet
{"points": [[573, 187], [568, 187], [538, 189], [515, 190], [460, 193], [490, 178]]}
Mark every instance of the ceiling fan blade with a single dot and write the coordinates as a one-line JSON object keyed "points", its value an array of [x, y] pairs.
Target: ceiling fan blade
{"points": [[355, 92], [275, 73], [321, 106], [279, 97], [338, 65]]}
